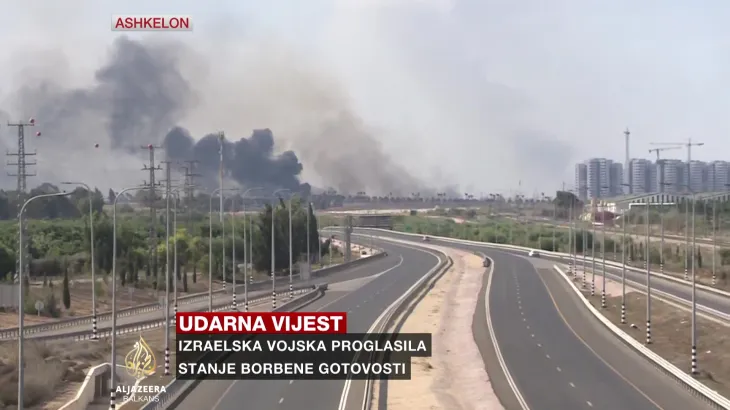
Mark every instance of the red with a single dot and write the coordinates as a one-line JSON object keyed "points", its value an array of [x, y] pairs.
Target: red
{"points": [[261, 322]]}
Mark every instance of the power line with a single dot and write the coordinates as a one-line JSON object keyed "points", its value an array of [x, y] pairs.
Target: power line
{"points": [[22, 174], [152, 184]]}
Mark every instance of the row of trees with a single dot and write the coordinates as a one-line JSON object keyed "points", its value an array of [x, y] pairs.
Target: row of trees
{"points": [[58, 247]]}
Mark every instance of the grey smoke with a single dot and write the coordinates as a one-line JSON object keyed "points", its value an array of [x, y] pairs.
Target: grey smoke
{"points": [[143, 91], [251, 162]]}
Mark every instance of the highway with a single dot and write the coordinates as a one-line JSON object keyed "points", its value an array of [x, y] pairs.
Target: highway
{"points": [[363, 300], [260, 289], [682, 291], [557, 353]]}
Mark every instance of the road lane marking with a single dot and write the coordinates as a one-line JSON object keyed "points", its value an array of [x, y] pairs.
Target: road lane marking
{"points": [[281, 400], [493, 336], [571, 384], [604, 361], [376, 323], [559, 369], [589, 404], [228, 390]]}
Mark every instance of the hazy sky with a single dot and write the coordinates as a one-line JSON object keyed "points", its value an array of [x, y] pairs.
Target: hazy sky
{"points": [[478, 93]]}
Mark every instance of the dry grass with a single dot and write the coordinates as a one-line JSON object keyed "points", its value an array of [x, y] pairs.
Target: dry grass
{"points": [[671, 337], [55, 370], [81, 299]]}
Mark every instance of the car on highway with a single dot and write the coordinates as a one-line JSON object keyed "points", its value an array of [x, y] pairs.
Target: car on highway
{"points": [[487, 262], [534, 254], [426, 238]]}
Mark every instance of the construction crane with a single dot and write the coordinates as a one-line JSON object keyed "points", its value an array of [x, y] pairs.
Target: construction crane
{"points": [[658, 150]]}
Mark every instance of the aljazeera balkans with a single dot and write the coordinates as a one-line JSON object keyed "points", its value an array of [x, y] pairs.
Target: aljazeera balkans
{"points": [[140, 363]]}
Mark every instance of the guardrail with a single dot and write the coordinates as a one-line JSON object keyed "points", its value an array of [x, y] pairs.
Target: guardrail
{"points": [[562, 256], [177, 390], [700, 390], [153, 323], [415, 294], [98, 385], [12, 333]]}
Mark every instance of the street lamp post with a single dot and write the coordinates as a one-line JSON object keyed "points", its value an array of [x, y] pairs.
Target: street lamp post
{"points": [[624, 221], [112, 383], [21, 296], [291, 251], [273, 250], [245, 264], [210, 248], [647, 249], [93, 264], [694, 293], [175, 270], [234, 265], [593, 253]]}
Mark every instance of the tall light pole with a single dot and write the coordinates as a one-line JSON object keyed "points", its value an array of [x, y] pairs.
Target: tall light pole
{"points": [[593, 253], [245, 256], [210, 248], [319, 239], [167, 272], [309, 257], [112, 383], [694, 293], [570, 239], [714, 241], [174, 239], [647, 248], [624, 221], [221, 137], [603, 257], [233, 250], [291, 250], [273, 250], [93, 263], [21, 296]]}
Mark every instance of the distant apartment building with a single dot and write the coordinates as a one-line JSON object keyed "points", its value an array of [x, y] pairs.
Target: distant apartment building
{"points": [[603, 178], [718, 176], [616, 178], [641, 176], [698, 176], [669, 176], [598, 178]]}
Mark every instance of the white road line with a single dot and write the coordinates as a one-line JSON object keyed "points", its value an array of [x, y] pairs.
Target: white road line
{"points": [[281, 400], [571, 384], [225, 393], [589, 404], [547, 355], [560, 370], [497, 350]]}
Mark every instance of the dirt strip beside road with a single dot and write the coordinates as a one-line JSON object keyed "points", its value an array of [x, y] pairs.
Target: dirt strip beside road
{"points": [[453, 379]]}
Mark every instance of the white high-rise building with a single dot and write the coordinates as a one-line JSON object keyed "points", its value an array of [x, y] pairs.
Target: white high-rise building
{"points": [[669, 176], [616, 179], [719, 176], [698, 176], [641, 176], [598, 179]]}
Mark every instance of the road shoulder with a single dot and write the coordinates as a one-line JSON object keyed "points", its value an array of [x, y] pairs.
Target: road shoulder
{"points": [[635, 370]]}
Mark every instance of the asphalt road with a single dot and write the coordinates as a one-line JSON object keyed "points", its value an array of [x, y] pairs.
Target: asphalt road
{"points": [[707, 299], [282, 287], [363, 300], [558, 354]]}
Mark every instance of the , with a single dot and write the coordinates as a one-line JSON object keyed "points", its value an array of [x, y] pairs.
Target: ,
{"points": [[152, 23]]}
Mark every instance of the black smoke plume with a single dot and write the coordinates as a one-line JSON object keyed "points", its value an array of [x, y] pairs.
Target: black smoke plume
{"points": [[251, 162]]}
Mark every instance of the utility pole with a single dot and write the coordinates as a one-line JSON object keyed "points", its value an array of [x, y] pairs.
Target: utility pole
{"points": [[190, 176], [152, 184], [627, 165], [168, 180], [22, 174]]}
